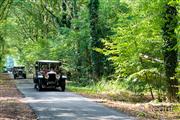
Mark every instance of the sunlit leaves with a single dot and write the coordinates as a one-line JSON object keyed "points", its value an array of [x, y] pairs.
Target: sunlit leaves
{"points": [[142, 80], [138, 31]]}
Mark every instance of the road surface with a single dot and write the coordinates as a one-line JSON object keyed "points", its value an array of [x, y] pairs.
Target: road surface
{"points": [[56, 105]]}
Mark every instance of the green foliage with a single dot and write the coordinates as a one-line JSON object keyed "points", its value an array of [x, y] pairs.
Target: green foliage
{"points": [[176, 108], [109, 90], [141, 114], [137, 32], [103, 86], [78, 32], [145, 79]]}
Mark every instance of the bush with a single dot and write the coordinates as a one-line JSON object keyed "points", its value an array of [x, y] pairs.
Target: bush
{"points": [[146, 80]]}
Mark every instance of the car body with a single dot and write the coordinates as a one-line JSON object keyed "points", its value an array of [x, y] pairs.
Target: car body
{"points": [[48, 74], [19, 72]]}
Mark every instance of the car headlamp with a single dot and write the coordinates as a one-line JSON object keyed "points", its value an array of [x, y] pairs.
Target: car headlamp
{"points": [[46, 76], [57, 76], [64, 77]]}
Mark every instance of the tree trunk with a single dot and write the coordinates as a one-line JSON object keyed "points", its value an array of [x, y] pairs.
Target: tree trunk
{"points": [[95, 42], [78, 42], [151, 91], [2, 41], [66, 21], [170, 52]]}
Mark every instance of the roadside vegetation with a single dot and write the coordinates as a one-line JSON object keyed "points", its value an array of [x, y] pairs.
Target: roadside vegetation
{"points": [[113, 94], [123, 50]]}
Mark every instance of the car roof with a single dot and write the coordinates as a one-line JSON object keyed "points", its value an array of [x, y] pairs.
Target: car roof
{"points": [[18, 66], [47, 61]]}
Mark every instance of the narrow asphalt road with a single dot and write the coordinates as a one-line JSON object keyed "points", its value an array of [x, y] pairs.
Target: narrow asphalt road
{"points": [[56, 105]]}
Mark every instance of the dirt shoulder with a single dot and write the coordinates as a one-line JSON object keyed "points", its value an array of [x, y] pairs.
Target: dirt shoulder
{"points": [[11, 106]]}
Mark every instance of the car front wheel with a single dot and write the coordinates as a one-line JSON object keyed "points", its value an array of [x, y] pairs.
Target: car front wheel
{"points": [[39, 85], [24, 76], [15, 76], [63, 86]]}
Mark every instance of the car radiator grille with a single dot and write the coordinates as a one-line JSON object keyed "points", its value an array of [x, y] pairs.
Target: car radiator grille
{"points": [[52, 78]]}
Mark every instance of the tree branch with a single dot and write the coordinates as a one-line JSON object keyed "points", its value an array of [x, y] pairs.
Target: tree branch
{"points": [[25, 32], [54, 16], [146, 57]]}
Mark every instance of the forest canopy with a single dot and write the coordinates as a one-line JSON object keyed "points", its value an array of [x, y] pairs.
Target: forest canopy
{"points": [[132, 41]]}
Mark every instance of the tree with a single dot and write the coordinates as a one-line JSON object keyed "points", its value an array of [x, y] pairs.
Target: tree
{"points": [[4, 10], [128, 33], [170, 49], [2, 41], [96, 57], [66, 20]]}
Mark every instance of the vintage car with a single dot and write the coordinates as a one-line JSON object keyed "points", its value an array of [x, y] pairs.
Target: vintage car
{"points": [[47, 74], [19, 72]]}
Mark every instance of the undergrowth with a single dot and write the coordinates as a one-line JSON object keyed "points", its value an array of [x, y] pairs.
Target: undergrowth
{"points": [[112, 90]]}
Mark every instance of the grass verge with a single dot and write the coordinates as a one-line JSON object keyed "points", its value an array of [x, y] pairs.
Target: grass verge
{"points": [[112, 94]]}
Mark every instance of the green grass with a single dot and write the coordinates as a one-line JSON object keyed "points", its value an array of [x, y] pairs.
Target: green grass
{"points": [[80, 89], [100, 87], [112, 90]]}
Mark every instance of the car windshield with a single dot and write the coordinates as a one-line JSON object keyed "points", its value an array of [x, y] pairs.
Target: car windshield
{"points": [[19, 68], [48, 66]]}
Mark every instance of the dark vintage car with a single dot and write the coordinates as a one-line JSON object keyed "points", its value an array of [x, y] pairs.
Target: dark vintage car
{"points": [[19, 72], [49, 74]]}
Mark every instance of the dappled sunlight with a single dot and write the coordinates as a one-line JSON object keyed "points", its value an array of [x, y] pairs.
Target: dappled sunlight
{"points": [[110, 117], [51, 99], [117, 52], [11, 105], [53, 104], [66, 115]]}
